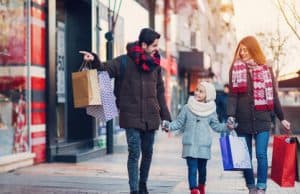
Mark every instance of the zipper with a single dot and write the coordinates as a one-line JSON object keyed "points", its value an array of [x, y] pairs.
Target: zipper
{"points": [[141, 105]]}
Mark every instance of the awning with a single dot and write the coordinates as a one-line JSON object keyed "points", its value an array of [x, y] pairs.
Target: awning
{"points": [[290, 83], [191, 61]]}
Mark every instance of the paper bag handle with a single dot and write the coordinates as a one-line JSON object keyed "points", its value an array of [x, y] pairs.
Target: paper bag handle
{"points": [[84, 66]]}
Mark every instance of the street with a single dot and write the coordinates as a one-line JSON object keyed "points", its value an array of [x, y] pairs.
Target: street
{"points": [[108, 174]]}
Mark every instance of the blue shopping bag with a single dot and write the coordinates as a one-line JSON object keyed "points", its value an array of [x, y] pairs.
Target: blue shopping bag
{"points": [[235, 153]]}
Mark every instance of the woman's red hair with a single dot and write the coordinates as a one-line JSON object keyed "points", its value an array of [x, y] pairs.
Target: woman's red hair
{"points": [[253, 48]]}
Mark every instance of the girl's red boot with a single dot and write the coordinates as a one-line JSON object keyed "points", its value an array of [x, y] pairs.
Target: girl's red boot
{"points": [[195, 191], [201, 188]]}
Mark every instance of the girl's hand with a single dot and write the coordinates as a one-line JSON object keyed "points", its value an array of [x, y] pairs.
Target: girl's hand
{"points": [[231, 124], [87, 56], [230, 127], [286, 126]]}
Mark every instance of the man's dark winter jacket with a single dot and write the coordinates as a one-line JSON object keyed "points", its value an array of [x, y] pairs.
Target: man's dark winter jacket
{"points": [[142, 101], [241, 106]]}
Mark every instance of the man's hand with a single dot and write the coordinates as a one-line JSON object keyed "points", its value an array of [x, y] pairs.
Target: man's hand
{"points": [[165, 126], [87, 56], [165, 129], [286, 126]]}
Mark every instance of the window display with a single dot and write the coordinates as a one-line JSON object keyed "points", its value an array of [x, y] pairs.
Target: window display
{"points": [[13, 65]]}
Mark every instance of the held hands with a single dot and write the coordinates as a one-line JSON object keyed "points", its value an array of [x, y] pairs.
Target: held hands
{"points": [[231, 124], [286, 126], [87, 56], [165, 126]]}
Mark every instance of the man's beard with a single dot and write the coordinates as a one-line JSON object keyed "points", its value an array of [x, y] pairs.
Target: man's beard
{"points": [[152, 53]]}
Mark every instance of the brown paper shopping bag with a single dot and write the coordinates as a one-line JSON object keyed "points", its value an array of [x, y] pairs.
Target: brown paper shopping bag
{"points": [[86, 90]]}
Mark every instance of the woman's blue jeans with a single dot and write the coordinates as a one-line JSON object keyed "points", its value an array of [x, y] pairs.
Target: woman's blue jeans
{"points": [[194, 165], [261, 146], [138, 141]]}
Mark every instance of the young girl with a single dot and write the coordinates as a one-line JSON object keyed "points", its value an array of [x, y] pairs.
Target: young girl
{"points": [[195, 120]]}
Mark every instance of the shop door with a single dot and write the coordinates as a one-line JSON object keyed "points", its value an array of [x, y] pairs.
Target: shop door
{"points": [[60, 73]]}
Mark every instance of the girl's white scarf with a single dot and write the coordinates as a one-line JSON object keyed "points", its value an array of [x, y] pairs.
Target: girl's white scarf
{"points": [[201, 108]]}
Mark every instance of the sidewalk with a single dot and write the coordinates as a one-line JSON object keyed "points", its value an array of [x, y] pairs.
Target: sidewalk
{"points": [[108, 175]]}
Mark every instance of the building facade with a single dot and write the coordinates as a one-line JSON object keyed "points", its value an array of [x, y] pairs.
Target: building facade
{"points": [[39, 44], [201, 39]]}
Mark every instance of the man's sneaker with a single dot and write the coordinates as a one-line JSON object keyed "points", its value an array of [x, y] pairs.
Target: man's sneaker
{"points": [[260, 191], [253, 191], [143, 188]]}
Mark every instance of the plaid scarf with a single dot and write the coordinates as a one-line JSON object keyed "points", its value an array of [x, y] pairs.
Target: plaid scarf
{"points": [[262, 83], [144, 61]]}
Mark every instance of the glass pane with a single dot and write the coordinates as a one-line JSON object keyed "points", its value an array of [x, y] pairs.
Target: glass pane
{"points": [[13, 87]]}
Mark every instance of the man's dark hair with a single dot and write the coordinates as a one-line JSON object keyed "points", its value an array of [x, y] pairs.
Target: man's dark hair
{"points": [[148, 35], [226, 85]]}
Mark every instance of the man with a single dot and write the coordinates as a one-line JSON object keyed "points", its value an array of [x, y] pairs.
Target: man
{"points": [[141, 101]]}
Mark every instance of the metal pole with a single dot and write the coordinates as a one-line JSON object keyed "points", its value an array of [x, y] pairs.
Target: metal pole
{"points": [[109, 55]]}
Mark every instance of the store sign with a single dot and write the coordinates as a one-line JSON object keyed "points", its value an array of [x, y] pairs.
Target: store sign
{"points": [[61, 65]]}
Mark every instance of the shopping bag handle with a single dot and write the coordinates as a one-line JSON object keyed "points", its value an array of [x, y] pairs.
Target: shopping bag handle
{"points": [[233, 133], [288, 133], [85, 66], [291, 138]]}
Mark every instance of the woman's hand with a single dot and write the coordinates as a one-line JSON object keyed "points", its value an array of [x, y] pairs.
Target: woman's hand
{"points": [[286, 126], [87, 56]]}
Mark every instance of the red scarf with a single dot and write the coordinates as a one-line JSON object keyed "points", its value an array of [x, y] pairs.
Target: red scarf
{"points": [[262, 83], [144, 61]]}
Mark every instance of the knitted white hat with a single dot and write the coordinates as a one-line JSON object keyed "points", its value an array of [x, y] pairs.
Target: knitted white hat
{"points": [[210, 91]]}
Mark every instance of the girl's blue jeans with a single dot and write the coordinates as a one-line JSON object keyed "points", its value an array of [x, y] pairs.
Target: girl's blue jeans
{"points": [[196, 165], [261, 146]]}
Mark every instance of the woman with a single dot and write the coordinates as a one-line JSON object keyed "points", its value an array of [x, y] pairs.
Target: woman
{"points": [[252, 99]]}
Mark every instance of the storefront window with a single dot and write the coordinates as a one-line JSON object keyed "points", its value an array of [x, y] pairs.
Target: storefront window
{"points": [[13, 77]]}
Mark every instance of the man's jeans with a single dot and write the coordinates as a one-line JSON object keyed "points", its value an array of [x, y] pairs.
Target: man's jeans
{"points": [[261, 145], [194, 165], [138, 141]]}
